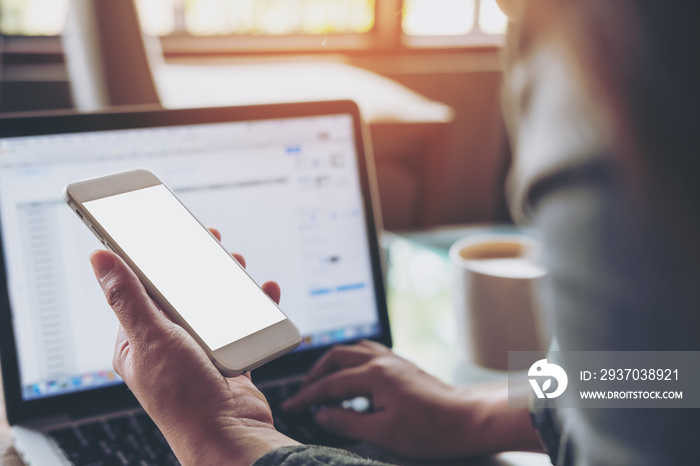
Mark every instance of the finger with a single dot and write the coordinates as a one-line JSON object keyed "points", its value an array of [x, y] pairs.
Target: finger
{"points": [[377, 347], [273, 291], [215, 232], [340, 357], [239, 258], [343, 385], [271, 288], [347, 423], [126, 296]]}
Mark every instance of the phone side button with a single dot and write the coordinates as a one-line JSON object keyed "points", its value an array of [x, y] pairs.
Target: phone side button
{"points": [[108, 246], [99, 236]]}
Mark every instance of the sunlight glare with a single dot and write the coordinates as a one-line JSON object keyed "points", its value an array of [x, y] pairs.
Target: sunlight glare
{"points": [[33, 17], [438, 17], [276, 17], [491, 18], [157, 16]]}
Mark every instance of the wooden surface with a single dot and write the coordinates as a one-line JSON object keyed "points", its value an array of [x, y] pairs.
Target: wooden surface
{"points": [[8, 455]]}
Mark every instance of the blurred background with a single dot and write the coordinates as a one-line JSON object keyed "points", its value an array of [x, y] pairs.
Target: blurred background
{"points": [[426, 74]]}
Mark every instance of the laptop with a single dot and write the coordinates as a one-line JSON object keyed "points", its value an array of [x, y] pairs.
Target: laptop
{"points": [[291, 187]]}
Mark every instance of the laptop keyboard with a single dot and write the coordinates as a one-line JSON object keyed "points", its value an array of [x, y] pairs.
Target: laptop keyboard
{"points": [[115, 441], [301, 426], [135, 440]]}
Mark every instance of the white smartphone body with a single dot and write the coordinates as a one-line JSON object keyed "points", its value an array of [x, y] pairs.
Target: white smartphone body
{"points": [[193, 279]]}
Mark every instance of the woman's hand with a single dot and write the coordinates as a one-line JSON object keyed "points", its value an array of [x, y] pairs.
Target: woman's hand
{"points": [[206, 418], [414, 414]]}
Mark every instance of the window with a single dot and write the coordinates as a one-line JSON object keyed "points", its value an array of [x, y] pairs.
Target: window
{"points": [[436, 23], [491, 18], [417, 22], [257, 17], [438, 17], [277, 17], [33, 17]]}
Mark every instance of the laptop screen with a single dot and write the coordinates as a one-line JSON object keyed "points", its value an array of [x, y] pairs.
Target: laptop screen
{"points": [[284, 193]]}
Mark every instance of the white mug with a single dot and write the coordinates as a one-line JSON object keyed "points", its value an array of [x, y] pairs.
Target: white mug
{"points": [[494, 295]]}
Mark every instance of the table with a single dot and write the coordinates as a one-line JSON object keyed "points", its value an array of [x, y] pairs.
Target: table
{"points": [[420, 306], [8, 455], [418, 281], [409, 132], [420, 309]]}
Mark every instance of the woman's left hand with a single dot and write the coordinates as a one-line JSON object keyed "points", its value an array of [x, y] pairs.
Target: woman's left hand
{"points": [[206, 418]]}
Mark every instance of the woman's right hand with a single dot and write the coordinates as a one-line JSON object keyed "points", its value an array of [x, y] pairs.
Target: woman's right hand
{"points": [[413, 413]]}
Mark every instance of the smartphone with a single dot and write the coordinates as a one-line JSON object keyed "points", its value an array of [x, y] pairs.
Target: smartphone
{"points": [[185, 269]]}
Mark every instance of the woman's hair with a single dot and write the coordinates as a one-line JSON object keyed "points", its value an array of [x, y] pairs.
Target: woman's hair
{"points": [[642, 57]]}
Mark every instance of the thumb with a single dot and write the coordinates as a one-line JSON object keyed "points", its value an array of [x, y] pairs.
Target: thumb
{"points": [[347, 423], [126, 295]]}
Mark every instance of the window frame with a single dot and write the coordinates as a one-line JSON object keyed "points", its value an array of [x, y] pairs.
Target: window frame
{"points": [[386, 35]]}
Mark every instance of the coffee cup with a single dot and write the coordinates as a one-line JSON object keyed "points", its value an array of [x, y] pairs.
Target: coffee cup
{"points": [[494, 295]]}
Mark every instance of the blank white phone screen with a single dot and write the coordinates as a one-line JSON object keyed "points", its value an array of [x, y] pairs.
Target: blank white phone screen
{"points": [[194, 273]]}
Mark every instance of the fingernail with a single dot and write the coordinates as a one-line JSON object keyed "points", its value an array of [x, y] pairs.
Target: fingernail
{"points": [[102, 262]]}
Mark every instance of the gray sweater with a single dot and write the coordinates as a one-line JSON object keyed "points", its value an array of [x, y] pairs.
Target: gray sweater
{"points": [[311, 455], [618, 277]]}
